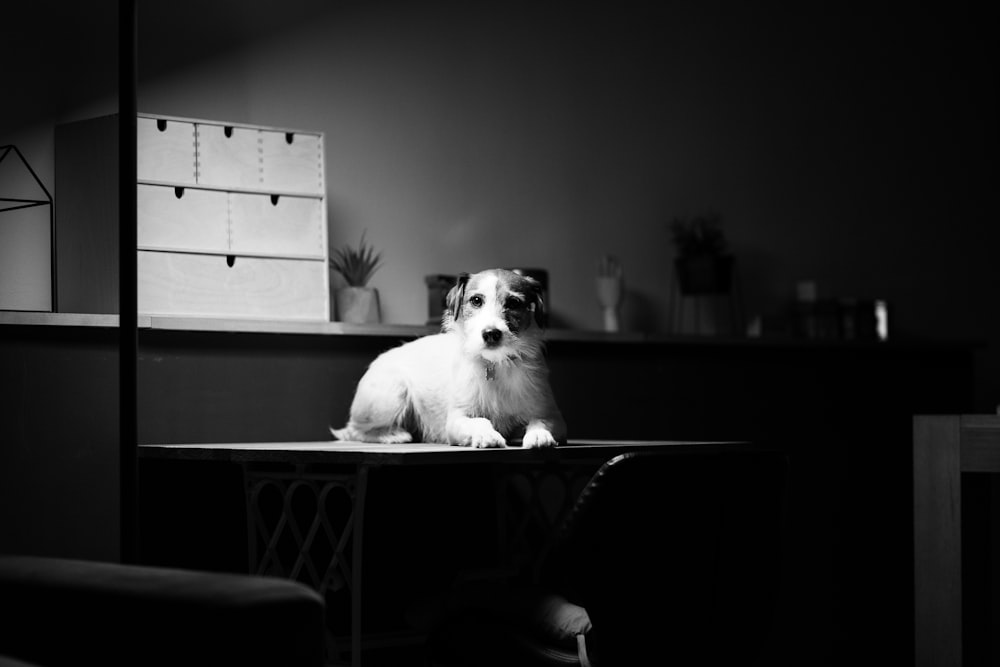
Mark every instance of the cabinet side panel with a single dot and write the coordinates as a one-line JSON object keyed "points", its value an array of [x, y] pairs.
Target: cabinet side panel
{"points": [[86, 202]]}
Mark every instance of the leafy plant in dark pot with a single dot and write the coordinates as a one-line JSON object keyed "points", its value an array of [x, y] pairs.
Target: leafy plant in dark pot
{"points": [[703, 264]]}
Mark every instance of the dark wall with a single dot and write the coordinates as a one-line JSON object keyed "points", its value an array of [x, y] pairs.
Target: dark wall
{"points": [[59, 482]]}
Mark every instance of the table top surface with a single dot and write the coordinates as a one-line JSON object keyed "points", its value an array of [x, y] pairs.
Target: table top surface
{"points": [[417, 453]]}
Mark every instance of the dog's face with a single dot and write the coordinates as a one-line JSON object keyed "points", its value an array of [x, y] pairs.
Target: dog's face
{"points": [[498, 313]]}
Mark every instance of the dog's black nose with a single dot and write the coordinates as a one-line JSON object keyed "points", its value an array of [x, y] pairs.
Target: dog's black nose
{"points": [[492, 336]]}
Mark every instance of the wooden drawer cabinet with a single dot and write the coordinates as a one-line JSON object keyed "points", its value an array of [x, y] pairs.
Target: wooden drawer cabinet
{"points": [[248, 238], [231, 219]]}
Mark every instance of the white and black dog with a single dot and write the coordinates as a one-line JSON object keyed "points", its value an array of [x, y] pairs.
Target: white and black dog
{"points": [[481, 382]]}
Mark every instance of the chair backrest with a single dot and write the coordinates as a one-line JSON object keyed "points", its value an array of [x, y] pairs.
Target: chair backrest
{"points": [[676, 556]]}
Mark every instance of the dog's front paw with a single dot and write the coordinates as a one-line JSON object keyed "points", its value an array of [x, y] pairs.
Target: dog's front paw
{"points": [[479, 433], [538, 437]]}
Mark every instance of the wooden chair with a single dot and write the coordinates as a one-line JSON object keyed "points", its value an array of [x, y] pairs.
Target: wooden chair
{"points": [[664, 559]]}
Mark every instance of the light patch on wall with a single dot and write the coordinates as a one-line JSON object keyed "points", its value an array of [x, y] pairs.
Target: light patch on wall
{"points": [[25, 280]]}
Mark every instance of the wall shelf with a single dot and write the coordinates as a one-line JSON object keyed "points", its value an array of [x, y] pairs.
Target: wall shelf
{"points": [[402, 331]]}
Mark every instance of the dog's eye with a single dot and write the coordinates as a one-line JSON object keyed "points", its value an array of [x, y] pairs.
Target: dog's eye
{"points": [[513, 303], [476, 301]]}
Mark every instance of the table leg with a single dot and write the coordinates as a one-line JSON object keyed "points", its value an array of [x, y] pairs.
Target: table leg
{"points": [[937, 541]]}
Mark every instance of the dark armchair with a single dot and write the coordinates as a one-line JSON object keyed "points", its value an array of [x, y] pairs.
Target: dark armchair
{"points": [[72, 612]]}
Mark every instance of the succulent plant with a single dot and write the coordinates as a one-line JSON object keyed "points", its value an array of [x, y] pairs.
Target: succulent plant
{"points": [[356, 264]]}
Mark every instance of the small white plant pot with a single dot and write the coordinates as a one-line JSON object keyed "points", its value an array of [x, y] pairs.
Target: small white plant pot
{"points": [[357, 305]]}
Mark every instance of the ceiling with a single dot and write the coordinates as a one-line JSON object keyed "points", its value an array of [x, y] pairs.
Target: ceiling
{"points": [[63, 55]]}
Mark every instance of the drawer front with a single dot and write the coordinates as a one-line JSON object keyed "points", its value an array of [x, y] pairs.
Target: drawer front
{"points": [[178, 284], [182, 219], [281, 226], [292, 161], [228, 156], [165, 150]]}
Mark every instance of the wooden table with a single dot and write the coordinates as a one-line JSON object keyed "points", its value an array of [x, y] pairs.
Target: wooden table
{"points": [[336, 468], [944, 447]]}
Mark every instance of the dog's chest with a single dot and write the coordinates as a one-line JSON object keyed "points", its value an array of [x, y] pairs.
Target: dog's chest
{"points": [[506, 394]]}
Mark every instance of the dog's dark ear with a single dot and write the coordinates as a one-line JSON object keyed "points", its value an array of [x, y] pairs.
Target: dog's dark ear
{"points": [[456, 295], [538, 301]]}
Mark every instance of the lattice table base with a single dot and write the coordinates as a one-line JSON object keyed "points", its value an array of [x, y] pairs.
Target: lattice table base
{"points": [[307, 526]]}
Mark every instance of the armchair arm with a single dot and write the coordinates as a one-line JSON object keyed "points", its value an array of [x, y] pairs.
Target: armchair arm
{"points": [[62, 612]]}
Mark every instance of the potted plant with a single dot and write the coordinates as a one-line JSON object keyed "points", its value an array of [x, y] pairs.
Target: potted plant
{"points": [[703, 264], [356, 301]]}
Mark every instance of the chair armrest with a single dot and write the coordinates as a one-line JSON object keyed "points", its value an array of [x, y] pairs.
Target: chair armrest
{"points": [[63, 611]]}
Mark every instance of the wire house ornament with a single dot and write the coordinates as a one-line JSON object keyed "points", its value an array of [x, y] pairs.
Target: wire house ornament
{"points": [[15, 203]]}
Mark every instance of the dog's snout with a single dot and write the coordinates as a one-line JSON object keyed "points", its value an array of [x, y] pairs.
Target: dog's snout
{"points": [[492, 336]]}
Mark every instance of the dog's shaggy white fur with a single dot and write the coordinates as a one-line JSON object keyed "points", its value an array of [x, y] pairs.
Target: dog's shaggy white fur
{"points": [[481, 382]]}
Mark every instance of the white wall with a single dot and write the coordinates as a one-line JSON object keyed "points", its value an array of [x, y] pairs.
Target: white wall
{"points": [[470, 135]]}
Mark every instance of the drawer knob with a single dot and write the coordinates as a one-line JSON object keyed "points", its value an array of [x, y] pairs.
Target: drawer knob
{"points": [[161, 125], [289, 138], [230, 260], [228, 131], [178, 192], [274, 199]]}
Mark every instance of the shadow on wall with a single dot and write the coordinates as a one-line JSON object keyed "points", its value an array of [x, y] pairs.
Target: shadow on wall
{"points": [[639, 312]]}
